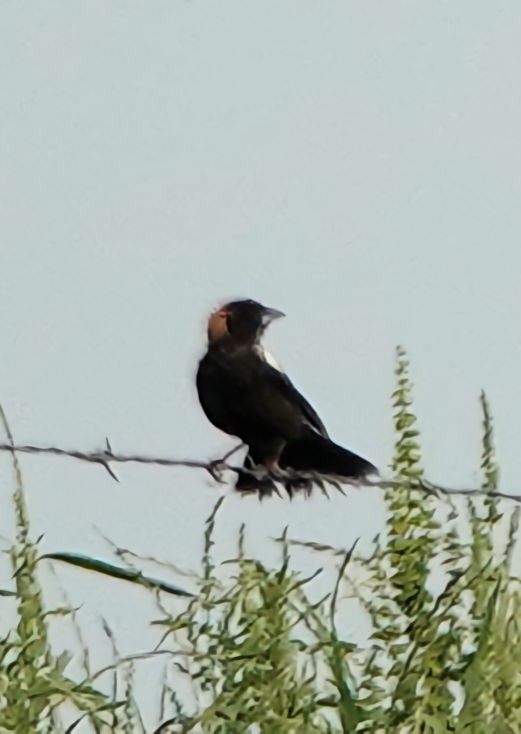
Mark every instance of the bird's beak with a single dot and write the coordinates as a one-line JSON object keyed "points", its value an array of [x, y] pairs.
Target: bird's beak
{"points": [[270, 314]]}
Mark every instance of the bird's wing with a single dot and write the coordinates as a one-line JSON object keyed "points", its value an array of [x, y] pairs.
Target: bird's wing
{"points": [[288, 389], [309, 412], [245, 396], [281, 385]]}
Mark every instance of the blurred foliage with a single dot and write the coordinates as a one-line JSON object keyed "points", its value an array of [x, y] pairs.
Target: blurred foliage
{"points": [[254, 650]]}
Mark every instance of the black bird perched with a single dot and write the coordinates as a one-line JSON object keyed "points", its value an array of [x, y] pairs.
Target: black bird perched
{"points": [[245, 395]]}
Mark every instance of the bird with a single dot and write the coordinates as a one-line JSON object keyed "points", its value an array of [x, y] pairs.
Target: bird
{"points": [[244, 393]]}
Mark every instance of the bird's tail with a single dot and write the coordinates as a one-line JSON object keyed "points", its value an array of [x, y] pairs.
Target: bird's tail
{"points": [[310, 453], [313, 452]]}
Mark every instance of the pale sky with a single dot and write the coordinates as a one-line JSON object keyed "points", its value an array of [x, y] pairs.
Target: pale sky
{"points": [[356, 165]]}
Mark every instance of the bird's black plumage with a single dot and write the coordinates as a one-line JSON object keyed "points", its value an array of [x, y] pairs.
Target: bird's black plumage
{"points": [[245, 396]]}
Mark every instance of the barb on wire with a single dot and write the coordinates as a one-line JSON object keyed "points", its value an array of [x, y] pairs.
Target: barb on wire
{"points": [[218, 467]]}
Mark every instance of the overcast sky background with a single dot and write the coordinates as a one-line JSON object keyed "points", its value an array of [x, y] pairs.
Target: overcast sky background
{"points": [[357, 165]]}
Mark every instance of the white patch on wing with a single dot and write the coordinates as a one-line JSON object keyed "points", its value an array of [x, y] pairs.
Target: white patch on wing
{"points": [[267, 357], [314, 428]]}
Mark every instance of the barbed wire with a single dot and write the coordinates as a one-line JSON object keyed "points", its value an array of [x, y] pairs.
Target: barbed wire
{"points": [[106, 456], [217, 469]]}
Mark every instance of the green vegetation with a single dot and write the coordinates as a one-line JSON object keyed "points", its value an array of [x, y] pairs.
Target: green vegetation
{"points": [[253, 647]]}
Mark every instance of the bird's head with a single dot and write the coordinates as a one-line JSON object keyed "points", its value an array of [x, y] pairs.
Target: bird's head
{"points": [[242, 321]]}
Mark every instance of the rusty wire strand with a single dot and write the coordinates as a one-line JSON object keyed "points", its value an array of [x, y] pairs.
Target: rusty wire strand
{"points": [[217, 468]]}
